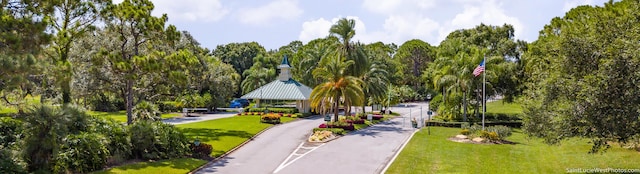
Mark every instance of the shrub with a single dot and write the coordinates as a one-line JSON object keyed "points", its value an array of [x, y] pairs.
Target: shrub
{"points": [[501, 131], [10, 131], [10, 162], [475, 129], [107, 103], [336, 131], [81, 153], [146, 111], [270, 118], [465, 132], [44, 128], [157, 140], [302, 115], [493, 136], [119, 145], [169, 106], [202, 150]]}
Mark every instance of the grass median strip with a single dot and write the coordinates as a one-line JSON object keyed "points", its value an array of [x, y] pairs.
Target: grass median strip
{"points": [[435, 154]]}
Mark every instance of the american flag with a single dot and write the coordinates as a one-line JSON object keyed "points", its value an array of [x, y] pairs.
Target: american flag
{"points": [[479, 69]]}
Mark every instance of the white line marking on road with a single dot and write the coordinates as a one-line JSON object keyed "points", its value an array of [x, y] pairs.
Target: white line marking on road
{"points": [[286, 162]]}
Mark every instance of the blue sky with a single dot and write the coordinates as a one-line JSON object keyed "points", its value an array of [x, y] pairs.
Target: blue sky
{"points": [[274, 23]]}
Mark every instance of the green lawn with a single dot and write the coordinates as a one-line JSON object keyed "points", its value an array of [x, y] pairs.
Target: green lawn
{"points": [[122, 115], [435, 154], [223, 134], [226, 133], [182, 165], [503, 107]]}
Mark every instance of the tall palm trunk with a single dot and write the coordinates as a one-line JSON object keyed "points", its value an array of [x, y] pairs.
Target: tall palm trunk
{"points": [[464, 98], [336, 108]]}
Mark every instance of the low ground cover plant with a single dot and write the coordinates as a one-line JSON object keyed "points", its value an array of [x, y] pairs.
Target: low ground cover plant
{"points": [[491, 133]]}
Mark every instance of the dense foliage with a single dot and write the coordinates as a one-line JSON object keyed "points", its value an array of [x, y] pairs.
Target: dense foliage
{"points": [[583, 76]]}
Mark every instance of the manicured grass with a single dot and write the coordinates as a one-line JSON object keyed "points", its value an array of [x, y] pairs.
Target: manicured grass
{"points": [[503, 107], [182, 165], [226, 133], [435, 154], [223, 134], [122, 115]]}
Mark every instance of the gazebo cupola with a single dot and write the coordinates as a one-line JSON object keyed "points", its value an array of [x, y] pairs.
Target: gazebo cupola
{"points": [[285, 73]]}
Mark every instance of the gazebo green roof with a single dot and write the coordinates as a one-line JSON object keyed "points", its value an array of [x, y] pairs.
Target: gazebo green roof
{"points": [[283, 88], [280, 90]]}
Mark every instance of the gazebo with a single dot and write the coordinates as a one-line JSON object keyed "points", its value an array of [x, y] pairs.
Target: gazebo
{"points": [[283, 88]]}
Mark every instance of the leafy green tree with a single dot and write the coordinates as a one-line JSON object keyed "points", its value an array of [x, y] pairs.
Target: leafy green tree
{"points": [[582, 76], [71, 20], [414, 56], [221, 81], [240, 55], [499, 41], [136, 28], [22, 35]]}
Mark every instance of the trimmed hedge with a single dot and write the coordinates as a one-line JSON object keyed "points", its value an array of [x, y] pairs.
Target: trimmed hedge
{"points": [[274, 110], [513, 124]]}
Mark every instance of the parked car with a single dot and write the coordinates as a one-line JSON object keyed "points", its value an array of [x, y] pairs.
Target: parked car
{"points": [[239, 103]]}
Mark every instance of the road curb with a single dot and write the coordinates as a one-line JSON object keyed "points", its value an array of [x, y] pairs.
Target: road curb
{"points": [[239, 146], [398, 151]]}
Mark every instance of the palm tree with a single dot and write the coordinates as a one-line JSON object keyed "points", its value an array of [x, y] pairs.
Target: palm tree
{"points": [[255, 78], [338, 86], [454, 73], [344, 29]]}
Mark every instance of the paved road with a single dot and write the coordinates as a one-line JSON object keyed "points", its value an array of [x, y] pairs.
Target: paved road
{"points": [[264, 153], [364, 151]]}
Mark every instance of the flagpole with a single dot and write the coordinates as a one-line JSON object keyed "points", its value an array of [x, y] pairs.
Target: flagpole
{"points": [[484, 81]]}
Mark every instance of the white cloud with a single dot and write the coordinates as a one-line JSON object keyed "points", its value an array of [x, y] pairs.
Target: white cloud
{"points": [[279, 9], [314, 29], [405, 20], [189, 10], [397, 6], [487, 12], [319, 28], [569, 4]]}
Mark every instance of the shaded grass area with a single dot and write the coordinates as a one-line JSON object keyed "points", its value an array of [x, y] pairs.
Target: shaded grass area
{"points": [[181, 165], [435, 154], [121, 116], [226, 133]]}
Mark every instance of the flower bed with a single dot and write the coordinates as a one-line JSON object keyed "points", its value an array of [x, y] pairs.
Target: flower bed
{"points": [[321, 136], [270, 118]]}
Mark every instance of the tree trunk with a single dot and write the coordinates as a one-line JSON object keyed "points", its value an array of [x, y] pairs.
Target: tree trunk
{"points": [[335, 109], [129, 101], [464, 113], [66, 91]]}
